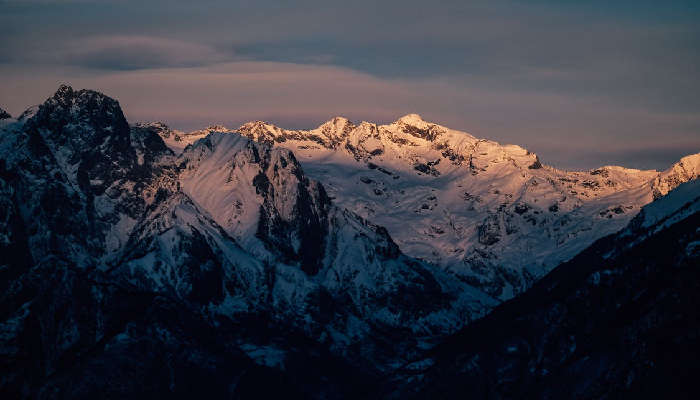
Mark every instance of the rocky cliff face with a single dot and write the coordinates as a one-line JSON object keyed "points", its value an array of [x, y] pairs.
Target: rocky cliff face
{"points": [[262, 199], [259, 196]]}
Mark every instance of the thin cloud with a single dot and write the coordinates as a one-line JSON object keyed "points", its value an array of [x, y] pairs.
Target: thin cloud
{"points": [[138, 52]]}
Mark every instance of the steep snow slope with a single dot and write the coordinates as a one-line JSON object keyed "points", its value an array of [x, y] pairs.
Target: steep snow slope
{"points": [[263, 200], [490, 214]]}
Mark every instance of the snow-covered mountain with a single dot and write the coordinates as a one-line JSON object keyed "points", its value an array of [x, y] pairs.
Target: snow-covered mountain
{"points": [[94, 210], [620, 320], [138, 260], [492, 215]]}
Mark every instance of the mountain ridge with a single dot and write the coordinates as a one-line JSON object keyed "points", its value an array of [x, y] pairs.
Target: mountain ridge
{"points": [[479, 193], [346, 125]]}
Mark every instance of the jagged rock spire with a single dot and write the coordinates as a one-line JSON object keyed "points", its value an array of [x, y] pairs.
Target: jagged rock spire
{"points": [[85, 115]]}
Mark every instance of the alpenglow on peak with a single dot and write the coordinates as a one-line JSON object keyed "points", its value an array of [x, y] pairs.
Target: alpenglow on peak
{"points": [[412, 119]]}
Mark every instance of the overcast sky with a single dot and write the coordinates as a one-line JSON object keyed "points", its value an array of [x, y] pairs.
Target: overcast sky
{"points": [[582, 85]]}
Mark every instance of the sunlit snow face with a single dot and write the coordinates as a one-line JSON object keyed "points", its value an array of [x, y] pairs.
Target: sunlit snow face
{"points": [[581, 84]]}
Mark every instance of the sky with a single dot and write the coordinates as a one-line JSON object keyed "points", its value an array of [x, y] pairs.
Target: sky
{"points": [[582, 84]]}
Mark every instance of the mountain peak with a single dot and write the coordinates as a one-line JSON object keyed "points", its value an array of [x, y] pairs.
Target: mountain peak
{"points": [[63, 91], [28, 113], [4, 114], [217, 128], [691, 162], [336, 120], [337, 125], [85, 120], [254, 124], [255, 128], [262, 131], [158, 127], [688, 168], [152, 124], [77, 102], [412, 119]]}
